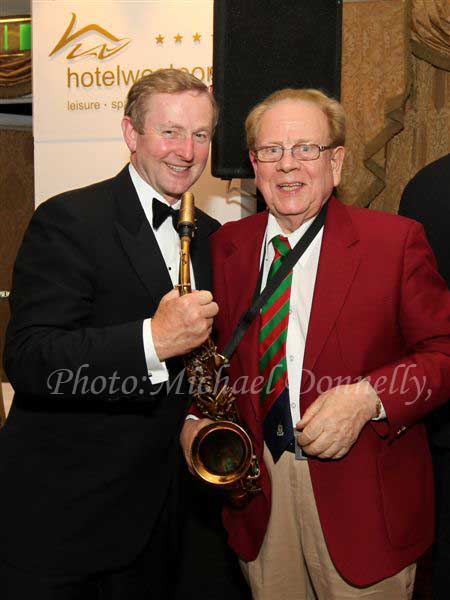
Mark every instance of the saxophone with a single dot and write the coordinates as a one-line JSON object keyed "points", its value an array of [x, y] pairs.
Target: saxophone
{"points": [[222, 452]]}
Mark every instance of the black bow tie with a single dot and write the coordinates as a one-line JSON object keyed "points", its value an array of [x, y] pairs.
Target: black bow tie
{"points": [[160, 213]]}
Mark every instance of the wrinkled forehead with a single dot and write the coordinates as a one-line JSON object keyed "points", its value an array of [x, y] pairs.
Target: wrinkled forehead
{"points": [[291, 121]]}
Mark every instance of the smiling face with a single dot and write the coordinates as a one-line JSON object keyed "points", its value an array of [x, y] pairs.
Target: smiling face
{"points": [[294, 190], [172, 152]]}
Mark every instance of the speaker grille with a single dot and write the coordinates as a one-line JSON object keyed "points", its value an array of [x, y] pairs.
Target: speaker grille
{"points": [[261, 46]]}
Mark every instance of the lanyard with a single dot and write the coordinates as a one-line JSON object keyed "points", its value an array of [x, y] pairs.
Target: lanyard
{"points": [[259, 299]]}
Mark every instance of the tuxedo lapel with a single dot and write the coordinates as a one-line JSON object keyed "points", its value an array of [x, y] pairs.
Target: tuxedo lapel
{"points": [[146, 259], [338, 263], [138, 240]]}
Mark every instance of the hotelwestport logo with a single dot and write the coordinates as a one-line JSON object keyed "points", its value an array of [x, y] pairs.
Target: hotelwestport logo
{"points": [[80, 48], [95, 41]]}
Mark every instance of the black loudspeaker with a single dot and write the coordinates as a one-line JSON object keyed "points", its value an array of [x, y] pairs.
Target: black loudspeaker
{"points": [[261, 46]]}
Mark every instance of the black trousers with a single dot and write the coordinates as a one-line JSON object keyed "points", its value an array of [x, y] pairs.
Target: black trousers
{"points": [[148, 577], [204, 568], [441, 550], [207, 568]]}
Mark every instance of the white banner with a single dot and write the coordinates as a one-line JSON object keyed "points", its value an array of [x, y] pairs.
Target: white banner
{"points": [[86, 55]]}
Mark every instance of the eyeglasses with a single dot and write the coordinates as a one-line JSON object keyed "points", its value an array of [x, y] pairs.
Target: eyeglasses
{"points": [[299, 152]]}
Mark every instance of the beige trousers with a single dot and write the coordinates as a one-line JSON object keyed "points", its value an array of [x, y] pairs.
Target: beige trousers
{"points": [[293, 563]]}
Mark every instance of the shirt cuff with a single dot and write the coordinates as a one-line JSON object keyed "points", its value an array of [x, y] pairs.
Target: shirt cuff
{"points": [[382, 414], [156, 370], [191, 418]]}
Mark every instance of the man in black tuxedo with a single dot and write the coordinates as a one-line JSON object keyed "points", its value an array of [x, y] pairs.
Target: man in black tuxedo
{"points": [[89, 455], [426, 199]]}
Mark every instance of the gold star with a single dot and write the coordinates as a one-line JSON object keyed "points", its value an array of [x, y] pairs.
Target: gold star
{"points": [[159, 39], [178, 38], [197, 37]]}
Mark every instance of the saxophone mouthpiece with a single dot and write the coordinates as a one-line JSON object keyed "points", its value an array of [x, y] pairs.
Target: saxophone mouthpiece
{"points": [[186, 219]]}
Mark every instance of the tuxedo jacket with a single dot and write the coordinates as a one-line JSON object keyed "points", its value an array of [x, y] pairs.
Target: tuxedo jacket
{"points": [[380, 310], [426, 199], [89, 453]]}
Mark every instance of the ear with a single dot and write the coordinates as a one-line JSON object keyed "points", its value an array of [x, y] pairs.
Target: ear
{"points": [[130, 135], [337, 160], [253, 161]]}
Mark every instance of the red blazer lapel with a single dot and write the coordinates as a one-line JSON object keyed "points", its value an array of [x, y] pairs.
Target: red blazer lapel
{"points": [[338, 263], [241, 272]]}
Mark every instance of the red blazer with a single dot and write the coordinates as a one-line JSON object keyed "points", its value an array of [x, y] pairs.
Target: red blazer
{"points": [[380, 310]]}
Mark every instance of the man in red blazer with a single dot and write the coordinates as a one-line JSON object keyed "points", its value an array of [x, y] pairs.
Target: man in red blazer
{"points": [[346, 508]]}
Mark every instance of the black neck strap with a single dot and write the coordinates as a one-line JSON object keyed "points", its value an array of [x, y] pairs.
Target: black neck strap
{"points": [[259, 299]]}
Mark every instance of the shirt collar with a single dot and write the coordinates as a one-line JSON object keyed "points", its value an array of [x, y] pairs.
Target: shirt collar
{"points": [[273, 229]]}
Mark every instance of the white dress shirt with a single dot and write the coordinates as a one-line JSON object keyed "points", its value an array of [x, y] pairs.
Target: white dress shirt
{"points": [[169, 244], [302, 290]]}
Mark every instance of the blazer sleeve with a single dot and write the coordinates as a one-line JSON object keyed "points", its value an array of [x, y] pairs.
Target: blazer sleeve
{"points": [[420, 381], [50, 338]]}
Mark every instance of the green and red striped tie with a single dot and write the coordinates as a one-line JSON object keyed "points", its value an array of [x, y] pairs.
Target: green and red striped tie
{"points": [[273, 332]]}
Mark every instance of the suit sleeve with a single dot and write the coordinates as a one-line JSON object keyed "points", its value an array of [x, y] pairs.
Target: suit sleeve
{"points": [[420, 381], [50, 343]]}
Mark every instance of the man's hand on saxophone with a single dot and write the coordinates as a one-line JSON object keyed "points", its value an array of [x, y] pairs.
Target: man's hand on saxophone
{"points": [[182, 323]]}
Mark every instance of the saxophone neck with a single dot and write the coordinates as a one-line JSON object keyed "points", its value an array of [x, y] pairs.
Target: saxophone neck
{"points": [[186, 229], [184, 276]]}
